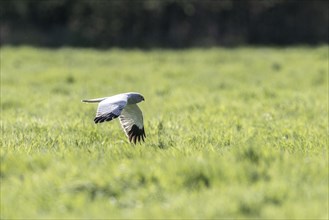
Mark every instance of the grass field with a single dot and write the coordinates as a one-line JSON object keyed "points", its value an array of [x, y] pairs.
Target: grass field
{"points": [[239, 133]]}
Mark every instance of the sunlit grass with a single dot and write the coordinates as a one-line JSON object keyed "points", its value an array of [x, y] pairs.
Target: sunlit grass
{"points": [[230, 133]]}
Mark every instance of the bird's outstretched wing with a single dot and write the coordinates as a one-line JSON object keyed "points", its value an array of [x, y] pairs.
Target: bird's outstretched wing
{"points": [[109, 109], [131, 120]]}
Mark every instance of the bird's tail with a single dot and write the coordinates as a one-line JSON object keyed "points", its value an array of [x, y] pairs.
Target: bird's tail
{"points": [[93, 100]]}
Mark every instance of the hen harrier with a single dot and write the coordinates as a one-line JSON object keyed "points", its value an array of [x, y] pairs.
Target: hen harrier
{"points": [[122, 106]]}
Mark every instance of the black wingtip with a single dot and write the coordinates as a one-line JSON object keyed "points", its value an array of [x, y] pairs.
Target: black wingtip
{"points": [[136, 134], [103, 118]]}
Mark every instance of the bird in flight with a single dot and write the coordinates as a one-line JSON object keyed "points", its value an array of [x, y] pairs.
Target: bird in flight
{"points": [[125, 107]]}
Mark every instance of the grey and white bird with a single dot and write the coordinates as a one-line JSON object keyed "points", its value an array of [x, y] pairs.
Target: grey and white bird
{"points": [[125, 107]]}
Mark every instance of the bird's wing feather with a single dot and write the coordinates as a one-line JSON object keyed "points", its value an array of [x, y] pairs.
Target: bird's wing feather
{"points": [[94, 100], [131, 120], [110, 108]]}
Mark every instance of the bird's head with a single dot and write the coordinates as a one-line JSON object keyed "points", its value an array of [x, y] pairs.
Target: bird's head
{"points": [[134, 97]]}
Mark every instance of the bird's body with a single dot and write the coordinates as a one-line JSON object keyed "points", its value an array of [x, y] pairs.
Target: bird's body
{"points": [[125, 107]]}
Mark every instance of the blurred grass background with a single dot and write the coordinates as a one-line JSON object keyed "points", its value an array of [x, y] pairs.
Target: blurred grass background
{"points": [[230, 132], [236, 111]]}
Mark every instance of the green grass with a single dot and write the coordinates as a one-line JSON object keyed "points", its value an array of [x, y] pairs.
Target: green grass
{"points": [[239, 133]]}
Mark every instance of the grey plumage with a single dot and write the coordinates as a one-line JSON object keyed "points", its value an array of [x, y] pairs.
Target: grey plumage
{"points": [[125, 107]]}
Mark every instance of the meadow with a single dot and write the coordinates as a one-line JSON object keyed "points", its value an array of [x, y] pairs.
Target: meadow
{"points": [[231, 133]]}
